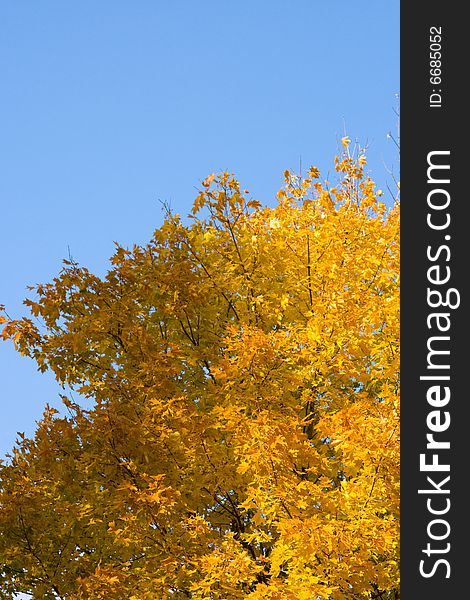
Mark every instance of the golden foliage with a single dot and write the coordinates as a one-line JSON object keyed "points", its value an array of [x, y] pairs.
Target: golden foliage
{"points": [[244, 437]]}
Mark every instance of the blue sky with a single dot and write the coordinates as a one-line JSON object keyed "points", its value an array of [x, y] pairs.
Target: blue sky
{"points": [[108, 107]]}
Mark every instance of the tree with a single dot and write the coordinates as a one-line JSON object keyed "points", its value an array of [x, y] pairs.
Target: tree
{"points": [[244, 436]]}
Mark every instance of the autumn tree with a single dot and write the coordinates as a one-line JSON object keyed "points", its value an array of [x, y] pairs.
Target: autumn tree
{"points": [[244, 434]]}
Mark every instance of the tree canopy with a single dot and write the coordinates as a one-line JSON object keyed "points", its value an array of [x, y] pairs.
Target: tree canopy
{"points": [[243, 440]]}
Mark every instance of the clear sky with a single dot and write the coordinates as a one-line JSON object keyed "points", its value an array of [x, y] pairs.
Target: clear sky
{"points": [[108, 107]]}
